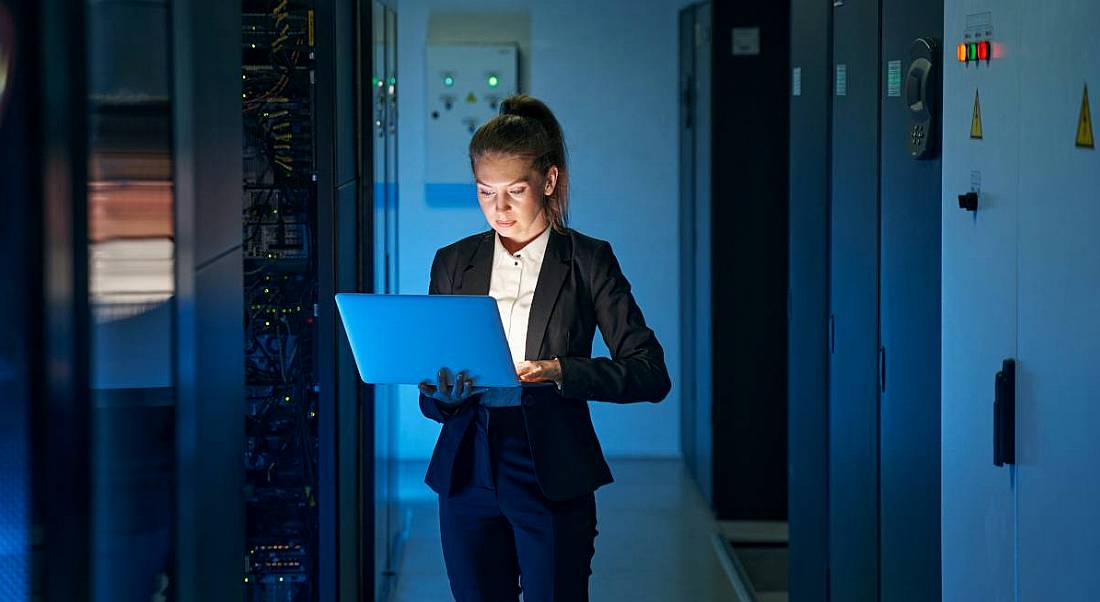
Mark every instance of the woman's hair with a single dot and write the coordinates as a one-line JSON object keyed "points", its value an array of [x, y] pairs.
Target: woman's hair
{"points": [[526, 128]]}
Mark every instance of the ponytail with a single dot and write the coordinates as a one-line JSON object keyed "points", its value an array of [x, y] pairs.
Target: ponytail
{"points": [[526, 127]]}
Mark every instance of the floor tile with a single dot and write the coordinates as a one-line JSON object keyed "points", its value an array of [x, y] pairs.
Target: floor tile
{"points": [[655, 542]]}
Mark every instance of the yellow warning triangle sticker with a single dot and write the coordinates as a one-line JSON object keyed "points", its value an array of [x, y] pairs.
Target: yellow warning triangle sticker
{"points": [[471, 98], [1084, 123], [976, 119]]}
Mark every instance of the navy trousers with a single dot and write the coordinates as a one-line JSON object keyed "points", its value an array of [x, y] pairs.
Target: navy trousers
{"points": [[500, 534]]}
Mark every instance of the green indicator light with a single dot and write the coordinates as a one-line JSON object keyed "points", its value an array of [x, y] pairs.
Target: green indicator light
{"points": [[494, 81], [374, 81], [972, 51], [448, 81]]}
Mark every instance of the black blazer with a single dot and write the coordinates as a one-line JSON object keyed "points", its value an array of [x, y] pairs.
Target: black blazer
{"points": [[580, 287]]}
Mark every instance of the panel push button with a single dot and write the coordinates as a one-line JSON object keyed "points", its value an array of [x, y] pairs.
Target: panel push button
{"points": [[968, 201]]}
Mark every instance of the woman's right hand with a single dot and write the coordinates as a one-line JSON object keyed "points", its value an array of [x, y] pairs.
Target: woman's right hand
{"points": [[450, 391]]}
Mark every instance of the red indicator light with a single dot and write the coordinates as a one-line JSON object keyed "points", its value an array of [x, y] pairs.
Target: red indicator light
{"points": [[960, 52], [983, 51]]}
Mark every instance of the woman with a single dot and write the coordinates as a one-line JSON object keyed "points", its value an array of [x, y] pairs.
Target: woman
{"points": [[515, 469]]}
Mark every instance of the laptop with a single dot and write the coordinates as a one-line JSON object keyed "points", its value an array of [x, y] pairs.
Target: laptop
{"points": [[406, 339]]}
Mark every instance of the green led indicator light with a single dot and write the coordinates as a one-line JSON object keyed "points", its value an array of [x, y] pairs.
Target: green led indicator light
{"points": [[494, 81], [972, 52], [448, 81], [393, 80]]}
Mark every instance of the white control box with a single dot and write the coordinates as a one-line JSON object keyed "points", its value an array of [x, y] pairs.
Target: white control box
{"points": [[465, 86]]}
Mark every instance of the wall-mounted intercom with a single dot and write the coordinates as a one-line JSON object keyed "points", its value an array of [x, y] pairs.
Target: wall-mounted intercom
{"points": [[921, 95]]}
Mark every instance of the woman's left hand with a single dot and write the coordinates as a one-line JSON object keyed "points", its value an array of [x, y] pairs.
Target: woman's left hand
{"points": [[539, 370]]}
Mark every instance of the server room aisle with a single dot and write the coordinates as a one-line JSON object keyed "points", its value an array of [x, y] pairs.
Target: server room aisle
{"points": [[655, 542]]}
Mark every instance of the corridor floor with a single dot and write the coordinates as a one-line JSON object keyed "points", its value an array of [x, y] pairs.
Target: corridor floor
{"points": [[655, 542]]}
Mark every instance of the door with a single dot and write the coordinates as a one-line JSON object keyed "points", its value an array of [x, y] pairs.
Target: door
{"points": [[807, 338], [853, 301], [380, 199], [387, 416], [382, 129], [979, 313], [1059, 284], [909, 301], [695, 250]]}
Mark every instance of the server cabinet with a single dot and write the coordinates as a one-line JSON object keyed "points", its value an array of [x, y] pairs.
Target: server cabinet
{"points": [[381, 129], [853, 302], [749, 254], [209, 345], [1059, 281], [808, 304], [884, 307], [1020, 283], [695, 243], [734, 422], [44, 513], [307, 236], [20, 350], [133, 236], [291, 398], [909, 301], [979, 280]]}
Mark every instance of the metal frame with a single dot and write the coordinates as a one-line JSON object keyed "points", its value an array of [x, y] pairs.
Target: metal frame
{"points": [[60, 421], [209, 348]]}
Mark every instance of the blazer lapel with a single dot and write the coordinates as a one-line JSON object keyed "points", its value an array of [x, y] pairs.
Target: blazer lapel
{"points": [[556, 264], [474, 278]]}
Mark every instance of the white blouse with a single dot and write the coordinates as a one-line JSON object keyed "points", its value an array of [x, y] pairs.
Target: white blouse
{"points": [[513, 286]]}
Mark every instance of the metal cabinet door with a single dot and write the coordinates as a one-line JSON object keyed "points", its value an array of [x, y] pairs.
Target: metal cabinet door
{"points": [[1057, 413], [807, 331], [853, 302], [979, 308], [909, 301], [695, 251]]}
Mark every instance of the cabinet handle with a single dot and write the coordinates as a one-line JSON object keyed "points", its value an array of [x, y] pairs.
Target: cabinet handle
{"points": [[882, 369], [832, 333], [1004, 414]]}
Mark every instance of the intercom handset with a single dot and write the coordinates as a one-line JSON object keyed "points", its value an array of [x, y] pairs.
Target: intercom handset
{"points": [[921, 95]]}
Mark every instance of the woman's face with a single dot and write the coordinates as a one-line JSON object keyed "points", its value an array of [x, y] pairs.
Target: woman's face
{"points": [[511, 195]]}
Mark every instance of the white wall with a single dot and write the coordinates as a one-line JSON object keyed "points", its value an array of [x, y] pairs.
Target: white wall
{"points": [[609, 71]]}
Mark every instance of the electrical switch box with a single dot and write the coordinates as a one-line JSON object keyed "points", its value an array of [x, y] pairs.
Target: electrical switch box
{"points": [[465, 86]]}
